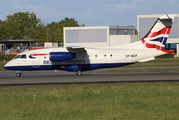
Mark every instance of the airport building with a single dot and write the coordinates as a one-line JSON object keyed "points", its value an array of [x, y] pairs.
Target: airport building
{"points": [[144, 23], [99, 36]]}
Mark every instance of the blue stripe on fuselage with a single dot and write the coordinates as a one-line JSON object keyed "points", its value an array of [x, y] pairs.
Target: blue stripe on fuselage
{"points": [[82, 67]]}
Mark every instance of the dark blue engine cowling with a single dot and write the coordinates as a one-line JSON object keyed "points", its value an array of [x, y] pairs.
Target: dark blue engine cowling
{"points": [[61, 56]]}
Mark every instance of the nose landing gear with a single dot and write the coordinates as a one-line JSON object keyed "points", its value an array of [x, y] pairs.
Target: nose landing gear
{"points": [[18, 73]]}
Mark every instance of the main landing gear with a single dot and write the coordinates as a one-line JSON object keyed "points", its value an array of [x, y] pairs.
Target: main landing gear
{"points": [[78, 72]]}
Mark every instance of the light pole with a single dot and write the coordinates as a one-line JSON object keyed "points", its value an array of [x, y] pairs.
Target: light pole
{"points": [[30, 39], [47, 33]]}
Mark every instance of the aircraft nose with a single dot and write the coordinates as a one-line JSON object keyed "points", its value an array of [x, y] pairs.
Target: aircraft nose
{"points": [[6, 66]]}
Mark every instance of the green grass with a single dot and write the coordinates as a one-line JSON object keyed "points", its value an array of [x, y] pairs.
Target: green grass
{"points": [[157, 62], [153, 64], [129, 101], [2, 67], [142, 70]]}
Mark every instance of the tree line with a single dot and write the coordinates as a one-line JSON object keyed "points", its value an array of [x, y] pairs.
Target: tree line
{"points": [[26, 25]]}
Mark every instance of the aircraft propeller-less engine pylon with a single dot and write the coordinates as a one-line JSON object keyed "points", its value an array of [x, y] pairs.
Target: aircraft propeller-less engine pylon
{"points": [[79, 59]]}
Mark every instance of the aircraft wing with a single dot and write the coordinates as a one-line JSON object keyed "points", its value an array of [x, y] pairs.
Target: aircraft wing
{"points": [[75, 49]]}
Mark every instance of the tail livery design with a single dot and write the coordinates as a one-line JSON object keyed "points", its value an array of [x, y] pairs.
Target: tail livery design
{"points": [[157, 36]]}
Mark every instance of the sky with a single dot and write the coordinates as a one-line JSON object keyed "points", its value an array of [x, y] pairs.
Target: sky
{"points": [[90, 12]]}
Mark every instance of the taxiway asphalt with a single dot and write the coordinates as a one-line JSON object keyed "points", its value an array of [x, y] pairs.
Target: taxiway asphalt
{"points": [[63, 77]]}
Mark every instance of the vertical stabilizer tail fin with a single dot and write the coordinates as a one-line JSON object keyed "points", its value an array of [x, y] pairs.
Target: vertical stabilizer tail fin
{"points": [[158, 34]]}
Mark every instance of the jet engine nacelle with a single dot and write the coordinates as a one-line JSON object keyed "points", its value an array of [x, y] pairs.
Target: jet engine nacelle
{"points": [[61, 56]]}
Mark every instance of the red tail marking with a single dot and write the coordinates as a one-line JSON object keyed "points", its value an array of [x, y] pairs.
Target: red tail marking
{"points": [[148, 45], [165, 30]]}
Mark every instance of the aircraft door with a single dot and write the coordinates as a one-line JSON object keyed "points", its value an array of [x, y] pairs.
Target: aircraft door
{"points": [[120, 58], [35, 60], [88, 57]]}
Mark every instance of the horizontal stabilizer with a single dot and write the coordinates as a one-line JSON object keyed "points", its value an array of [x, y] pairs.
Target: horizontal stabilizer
{"points": [[145, 60], [167, 17]]}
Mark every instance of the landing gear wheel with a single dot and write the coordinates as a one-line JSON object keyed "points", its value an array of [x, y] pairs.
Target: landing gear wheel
{"points": [[18, 74], [78, 72]]}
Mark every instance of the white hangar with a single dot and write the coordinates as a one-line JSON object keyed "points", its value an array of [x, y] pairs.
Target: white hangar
{"points": [[99, 36]]}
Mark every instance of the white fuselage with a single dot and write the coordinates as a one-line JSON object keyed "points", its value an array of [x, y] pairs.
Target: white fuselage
{"points": [[92, 58]]}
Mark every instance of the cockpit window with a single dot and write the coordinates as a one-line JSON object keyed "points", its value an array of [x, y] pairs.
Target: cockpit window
{"points": [[23, 56], [18, 56]]}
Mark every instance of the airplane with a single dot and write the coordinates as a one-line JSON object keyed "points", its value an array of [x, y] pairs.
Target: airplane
{"points": [[78, 59]]}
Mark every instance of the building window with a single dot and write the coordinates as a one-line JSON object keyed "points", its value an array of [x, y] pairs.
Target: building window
{"points": [[171, 46], [121, 32]]}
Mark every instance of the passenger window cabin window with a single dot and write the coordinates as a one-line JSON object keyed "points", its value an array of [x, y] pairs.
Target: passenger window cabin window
{"points": [[96, 56], [104, 56], [111, 55]]}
